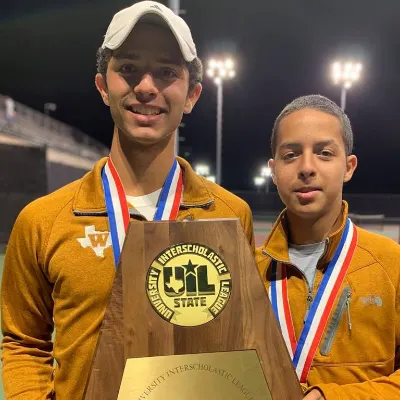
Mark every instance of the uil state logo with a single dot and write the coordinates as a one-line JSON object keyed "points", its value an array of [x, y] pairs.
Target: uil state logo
{"points": [[188, 284]]}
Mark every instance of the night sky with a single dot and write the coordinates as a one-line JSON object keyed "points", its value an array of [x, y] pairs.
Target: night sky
{"points": [[283, 49]]}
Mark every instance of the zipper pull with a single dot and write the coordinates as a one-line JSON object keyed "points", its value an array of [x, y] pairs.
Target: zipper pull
{"points": [[309, 302], [348, 310]]}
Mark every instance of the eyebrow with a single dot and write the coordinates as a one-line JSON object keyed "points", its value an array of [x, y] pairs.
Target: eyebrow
{"points": [[165, 60], [136, 57], [322, 143], [129, 56]]}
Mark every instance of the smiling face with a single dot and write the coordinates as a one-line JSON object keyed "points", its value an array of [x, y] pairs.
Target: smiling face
{"points": [[147, 85], [310, 163]]}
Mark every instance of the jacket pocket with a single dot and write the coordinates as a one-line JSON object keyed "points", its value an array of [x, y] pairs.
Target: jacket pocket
{"points": [[344, 302]]}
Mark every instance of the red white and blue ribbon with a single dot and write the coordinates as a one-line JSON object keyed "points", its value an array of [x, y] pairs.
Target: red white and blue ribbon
{"points": [[303, 352], [280, 304], [117, 206]]}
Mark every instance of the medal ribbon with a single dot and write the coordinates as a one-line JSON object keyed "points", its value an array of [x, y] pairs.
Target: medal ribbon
{"points": [[117, 206], [303, 352]]}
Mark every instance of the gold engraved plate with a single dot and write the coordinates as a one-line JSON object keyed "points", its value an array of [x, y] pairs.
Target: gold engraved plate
{"points": [[235, 375], [188, 284]]}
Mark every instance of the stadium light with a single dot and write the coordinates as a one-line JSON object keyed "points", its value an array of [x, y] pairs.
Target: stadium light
{"points": [[266, 171], [49, 107], [211, 178], [266, 174], [202, 169], [258, 182], [345, 75]]}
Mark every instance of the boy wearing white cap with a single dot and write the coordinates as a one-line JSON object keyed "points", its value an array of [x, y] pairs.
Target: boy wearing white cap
{"points": [[64, 248]]}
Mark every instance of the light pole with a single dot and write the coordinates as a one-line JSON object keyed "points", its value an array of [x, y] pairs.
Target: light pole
{"points": [[345, 74], [47, 107], [220, 70], [175, 6]]}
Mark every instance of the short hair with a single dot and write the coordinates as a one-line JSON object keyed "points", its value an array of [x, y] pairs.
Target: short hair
{"points": [[194, 67], [320, 103]]}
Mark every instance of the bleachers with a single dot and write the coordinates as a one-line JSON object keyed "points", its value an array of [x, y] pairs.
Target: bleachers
{"points": [[44, 130], [39, 155]]}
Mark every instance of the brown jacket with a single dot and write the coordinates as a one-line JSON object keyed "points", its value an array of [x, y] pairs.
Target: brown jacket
{"points": [[359, 353], [51, 279]]}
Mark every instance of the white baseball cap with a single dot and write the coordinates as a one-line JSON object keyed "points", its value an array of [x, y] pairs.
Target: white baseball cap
{"points": [[124, 21]]}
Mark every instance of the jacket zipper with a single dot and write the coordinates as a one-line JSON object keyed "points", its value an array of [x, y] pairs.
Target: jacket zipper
{"points": [[348, 311], [309, 303], [201, 205], [343, 304], [133, 214], [80, 213]]}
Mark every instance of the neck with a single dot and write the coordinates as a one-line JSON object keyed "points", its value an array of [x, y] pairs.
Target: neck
{"points": [[141, 168], [308, 231]]}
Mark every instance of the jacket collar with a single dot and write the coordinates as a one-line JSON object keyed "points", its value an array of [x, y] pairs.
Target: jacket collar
{"points": [[90, 196], [276, 245]]}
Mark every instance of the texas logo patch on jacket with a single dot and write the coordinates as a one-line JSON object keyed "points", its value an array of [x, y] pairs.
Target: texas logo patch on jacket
{"points": [[98, 241]]}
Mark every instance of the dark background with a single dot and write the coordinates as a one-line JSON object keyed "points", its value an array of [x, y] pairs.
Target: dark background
{"points": [[283, 49]]}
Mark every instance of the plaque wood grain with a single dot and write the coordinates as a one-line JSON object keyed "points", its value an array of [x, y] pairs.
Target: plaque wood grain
{"points": [[131, 328]]}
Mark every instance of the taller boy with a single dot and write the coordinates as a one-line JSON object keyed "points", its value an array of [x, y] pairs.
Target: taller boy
{"points": [[64, 248]]}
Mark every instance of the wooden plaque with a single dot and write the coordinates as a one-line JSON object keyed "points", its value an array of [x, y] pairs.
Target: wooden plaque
{"points": [[160, 259]]}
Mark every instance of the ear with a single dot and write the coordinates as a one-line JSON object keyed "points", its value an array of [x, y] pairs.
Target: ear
{"points": [[351, 165], [192, 98], [271, 165], [101, 86]]}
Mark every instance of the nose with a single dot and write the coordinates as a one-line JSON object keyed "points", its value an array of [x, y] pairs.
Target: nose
{"points": [[307, 168], [146, 89]]}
